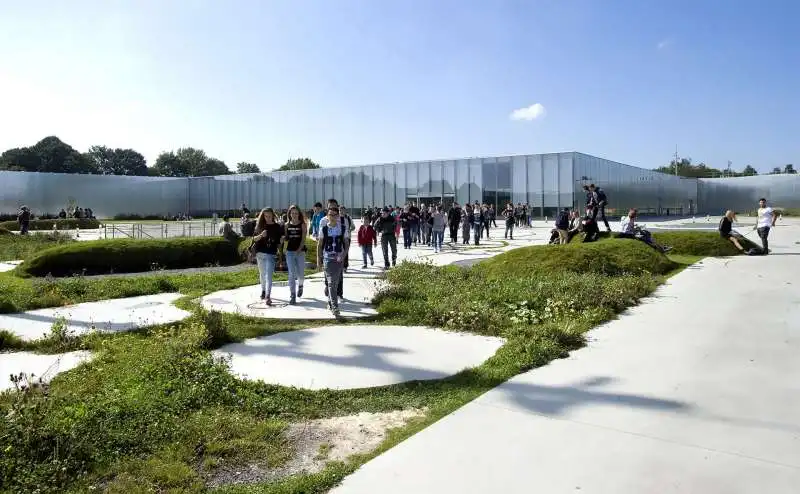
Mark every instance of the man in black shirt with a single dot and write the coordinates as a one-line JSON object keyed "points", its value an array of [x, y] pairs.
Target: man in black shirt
{"points": [[600, 202], [453, 220], [385, 225]]}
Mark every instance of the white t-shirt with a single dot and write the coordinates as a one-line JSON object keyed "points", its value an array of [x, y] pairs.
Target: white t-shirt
{"points": [[627, 225], [765, 217], [342, 221]]}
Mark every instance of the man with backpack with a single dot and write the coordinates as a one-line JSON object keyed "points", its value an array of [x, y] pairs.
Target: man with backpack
{"points": [[330, 249], [24, 220], [600, 204], [562, 225]]}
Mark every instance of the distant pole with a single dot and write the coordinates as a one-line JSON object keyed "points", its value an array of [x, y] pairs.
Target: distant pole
{"points": [[676, 160], [729, 167]]}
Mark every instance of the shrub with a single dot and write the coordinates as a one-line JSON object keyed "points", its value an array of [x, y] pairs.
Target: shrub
{"points": [[610, 257], [134, 216], [4, 231], [130, 256], [66, 224], [699, 243], [14, 247]]}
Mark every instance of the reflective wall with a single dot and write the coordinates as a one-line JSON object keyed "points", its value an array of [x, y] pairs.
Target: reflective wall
{"points": [[651, 192], [546, 182], [106, 195], [741, 194]]}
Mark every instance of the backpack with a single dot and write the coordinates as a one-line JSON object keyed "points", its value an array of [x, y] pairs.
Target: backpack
{"points": [[562, 222], [601, 196]]}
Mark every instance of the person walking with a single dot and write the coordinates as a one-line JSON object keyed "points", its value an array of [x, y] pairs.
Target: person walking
{"points": [[510, 220], [267, 240], [385, 225], [295, 232], [333, 203], [437, 229], [331, 249], [453, 220], [601, 201], [406, 224], [24, 220], [766, 220], [366, 239], [478, 221], [319, 213]]}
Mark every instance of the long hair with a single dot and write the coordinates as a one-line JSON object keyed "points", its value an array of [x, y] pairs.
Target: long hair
{"points": [[301, 216], [261, 222]]}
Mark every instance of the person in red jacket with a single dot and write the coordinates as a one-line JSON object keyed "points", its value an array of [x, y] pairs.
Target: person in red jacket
{"points": [[367, 238]]}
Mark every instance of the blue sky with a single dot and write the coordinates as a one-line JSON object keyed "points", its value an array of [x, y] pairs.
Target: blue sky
{"points": [[363, 81]]}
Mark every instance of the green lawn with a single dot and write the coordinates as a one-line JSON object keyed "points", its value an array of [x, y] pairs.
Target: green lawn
{"points": [[16, 247], [154, 410]]}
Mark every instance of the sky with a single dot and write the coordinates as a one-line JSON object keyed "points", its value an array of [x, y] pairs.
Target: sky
{"points": [[349, 82]]}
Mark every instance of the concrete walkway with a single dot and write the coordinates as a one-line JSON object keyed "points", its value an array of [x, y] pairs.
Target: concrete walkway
{"points": [[694, 391]]}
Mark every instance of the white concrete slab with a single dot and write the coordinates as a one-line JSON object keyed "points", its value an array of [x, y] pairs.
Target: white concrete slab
{"points": [[6, 266], [313, 305], [107, 316], [357, 356], [694, 391], [44, 367]]}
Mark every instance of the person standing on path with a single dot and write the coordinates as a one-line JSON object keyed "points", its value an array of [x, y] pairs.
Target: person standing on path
{"points": [[295, 232], [267, 242], [466, 223], [766, 220], [478, 220], [437, 228], [331, 249], [24, 220], [319, 213], [366, 239], [333, 203], [510, 220], [385, 225], [453, 220], [601, 201]]}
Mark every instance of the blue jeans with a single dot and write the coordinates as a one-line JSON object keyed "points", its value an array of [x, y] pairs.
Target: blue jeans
{"points": [[296, 264], [407, 236], [438, 239], [333, 281], [366, 251], [266, 268]]}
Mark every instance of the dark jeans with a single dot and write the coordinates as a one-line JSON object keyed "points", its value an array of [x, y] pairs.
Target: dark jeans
{"points": [[478, 228], [333, 281], [486, 229], [23, 228], [602, 210], [465, 233], [387, 241], [509, 229], [366, 251], [454, 232], [763, 233], [407, 237]]}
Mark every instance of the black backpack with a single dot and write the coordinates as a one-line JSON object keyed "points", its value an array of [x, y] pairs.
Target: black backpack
{"points": [[601, 196], [562, 222]]}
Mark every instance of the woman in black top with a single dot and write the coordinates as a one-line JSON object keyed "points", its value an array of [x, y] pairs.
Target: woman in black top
{"points": [[267, 242], [726, 229], [295, 232]]}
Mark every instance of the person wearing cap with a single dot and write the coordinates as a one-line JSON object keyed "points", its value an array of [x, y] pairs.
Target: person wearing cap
{"points": [[385, 225]]}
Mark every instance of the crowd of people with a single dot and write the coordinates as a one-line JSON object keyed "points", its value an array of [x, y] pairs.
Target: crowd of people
{"points": [[276, 232]]}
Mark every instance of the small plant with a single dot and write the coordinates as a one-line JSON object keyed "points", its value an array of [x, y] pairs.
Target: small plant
{"points": [[216, 333], [61, 337]]}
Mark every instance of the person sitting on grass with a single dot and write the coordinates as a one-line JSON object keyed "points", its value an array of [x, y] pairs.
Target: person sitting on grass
{"points": [[629, 229], [726, 232], [591, 232], [227, 230]]}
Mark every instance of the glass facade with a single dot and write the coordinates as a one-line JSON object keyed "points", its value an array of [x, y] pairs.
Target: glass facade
{"points": [[546, 182]]}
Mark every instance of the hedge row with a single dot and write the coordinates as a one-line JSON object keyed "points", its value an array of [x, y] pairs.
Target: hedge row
{"points": [[130, 256], [66, 224]]}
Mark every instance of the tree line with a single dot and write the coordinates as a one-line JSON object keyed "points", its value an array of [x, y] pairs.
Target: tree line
{"points": [[52, 155], [685, 168]]}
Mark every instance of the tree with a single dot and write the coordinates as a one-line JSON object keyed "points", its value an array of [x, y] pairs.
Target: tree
{"points": [[789, 169], [298, 164], [48, 155], [776, 171], [20, 160], [749, 171], [245, 167], [685, 168], [188, 162], [109, 161]]}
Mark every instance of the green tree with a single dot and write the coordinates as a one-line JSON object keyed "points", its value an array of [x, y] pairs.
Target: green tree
{"points": [[245, 167], [50, 154], [188, 162], [749, 171], [109, 161], [687, 169], [789, 169], [20, 160], [299, 164]]}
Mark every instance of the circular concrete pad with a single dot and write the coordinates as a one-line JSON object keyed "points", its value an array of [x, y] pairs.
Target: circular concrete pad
{"points": [[357, 356], [313, 305], [36, 367]]}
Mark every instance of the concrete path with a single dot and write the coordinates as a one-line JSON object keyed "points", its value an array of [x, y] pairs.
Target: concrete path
{"points": [[694, 391], [360, 356], [37, 367]]}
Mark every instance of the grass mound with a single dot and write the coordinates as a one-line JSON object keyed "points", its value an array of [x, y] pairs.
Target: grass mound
{"points": [[4, 231], [15, 247], [66, 224], [608, 257], [130, 256], [700, 243]]}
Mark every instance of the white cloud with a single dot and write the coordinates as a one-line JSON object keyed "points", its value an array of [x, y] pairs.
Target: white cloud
{"points": [[532, 112], [664, 43]]}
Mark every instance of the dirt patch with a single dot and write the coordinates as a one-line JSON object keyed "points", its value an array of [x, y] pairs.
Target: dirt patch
{"points": [[317, 442]]}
